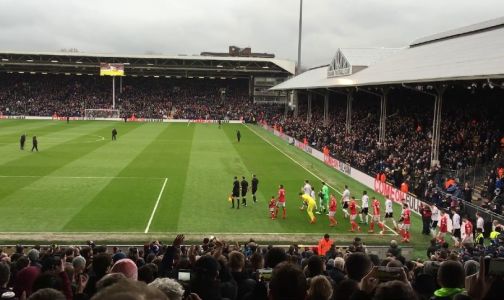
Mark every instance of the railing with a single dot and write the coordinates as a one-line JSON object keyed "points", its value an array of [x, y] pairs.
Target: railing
{"points": [[473, 174], [471, 209]]}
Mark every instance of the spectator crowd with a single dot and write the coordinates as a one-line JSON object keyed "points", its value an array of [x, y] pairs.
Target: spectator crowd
{"points": [[46, 95], [215, 270]]}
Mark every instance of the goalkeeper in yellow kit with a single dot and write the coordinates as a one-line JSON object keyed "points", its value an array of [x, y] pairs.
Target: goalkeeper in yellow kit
{"points": [[310, 203]]}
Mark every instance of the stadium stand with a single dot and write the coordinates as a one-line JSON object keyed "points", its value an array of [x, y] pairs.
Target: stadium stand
{"points": [[46, 95]]}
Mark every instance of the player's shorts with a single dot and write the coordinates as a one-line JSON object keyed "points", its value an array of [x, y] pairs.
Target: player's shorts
{"points": [[332, 213], [353, 217], [456, 233], [364, 210], [434, 224], [376, 218], [389, 215], [345, 205], [406, 226], [236, 194], [244, 194], [441, 234], [272, 209], [254, 190], [280, 204]]}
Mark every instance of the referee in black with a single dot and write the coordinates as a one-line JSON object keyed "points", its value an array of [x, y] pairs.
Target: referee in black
{"points": [[255, 184], [236, 193], [34, 144], [114, 134], [238, 135], [22, 141], [244, 189]]}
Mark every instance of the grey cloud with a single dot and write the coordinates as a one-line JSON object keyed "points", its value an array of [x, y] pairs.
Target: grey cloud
{"points": [[192, 26]]}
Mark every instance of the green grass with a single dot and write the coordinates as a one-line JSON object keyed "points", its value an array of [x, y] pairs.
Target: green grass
{"points": [[83, 182]]}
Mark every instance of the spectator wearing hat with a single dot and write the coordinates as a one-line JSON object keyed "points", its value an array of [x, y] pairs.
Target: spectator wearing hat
{"points": [[127, 267]]}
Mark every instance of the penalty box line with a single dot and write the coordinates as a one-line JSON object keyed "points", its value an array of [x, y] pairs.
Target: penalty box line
{"points": [[299, 164], [156, 206]]}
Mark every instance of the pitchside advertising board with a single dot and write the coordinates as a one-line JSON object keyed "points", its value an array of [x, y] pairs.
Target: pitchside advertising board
{"points": [[59, 118], [383, 188]]}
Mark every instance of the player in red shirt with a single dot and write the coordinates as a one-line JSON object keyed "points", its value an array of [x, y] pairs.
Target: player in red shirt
{"points": [[332, 211], [281, 201], [376, 216], [467, 237], [406, 223], [443, 227], [353, 215], [272, 207]]}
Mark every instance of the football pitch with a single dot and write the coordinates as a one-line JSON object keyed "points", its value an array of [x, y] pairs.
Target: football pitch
{"points": [[161, 179]]}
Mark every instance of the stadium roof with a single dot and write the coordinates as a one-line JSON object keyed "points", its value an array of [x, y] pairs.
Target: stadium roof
{"points": [[347, 61], [467, 53], [366, 56], [144, 65]]}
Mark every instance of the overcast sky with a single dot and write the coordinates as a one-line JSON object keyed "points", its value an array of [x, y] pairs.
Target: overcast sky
{"points": [[192, 26]]}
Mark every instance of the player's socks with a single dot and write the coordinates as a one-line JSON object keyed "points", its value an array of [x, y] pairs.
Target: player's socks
{"points": [[284, 213], [254, 197], [360, 217], [371, 226]]}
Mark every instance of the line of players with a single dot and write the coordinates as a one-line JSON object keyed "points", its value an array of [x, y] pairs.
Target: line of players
{"points": [[328, 206], [350, 210]]}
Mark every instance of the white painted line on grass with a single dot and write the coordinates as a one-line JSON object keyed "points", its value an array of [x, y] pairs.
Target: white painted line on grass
{"points": [[80, 177], [299, 164], [155, 206], [188, 232]]}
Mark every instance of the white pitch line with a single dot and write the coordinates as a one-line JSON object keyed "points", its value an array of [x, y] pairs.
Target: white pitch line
{"points": [[187, 233], [79, 177], [155, 206], [299, 164]]}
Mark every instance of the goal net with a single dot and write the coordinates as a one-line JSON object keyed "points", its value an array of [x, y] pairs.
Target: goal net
{"points": [[101, 113]]}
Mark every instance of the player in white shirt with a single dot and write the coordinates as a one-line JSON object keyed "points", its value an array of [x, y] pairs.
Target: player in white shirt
{"points": [[364, 207], [456, 226], [345, 199], [389, 211], [434, 219], [480, 223], [307, 188]]}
